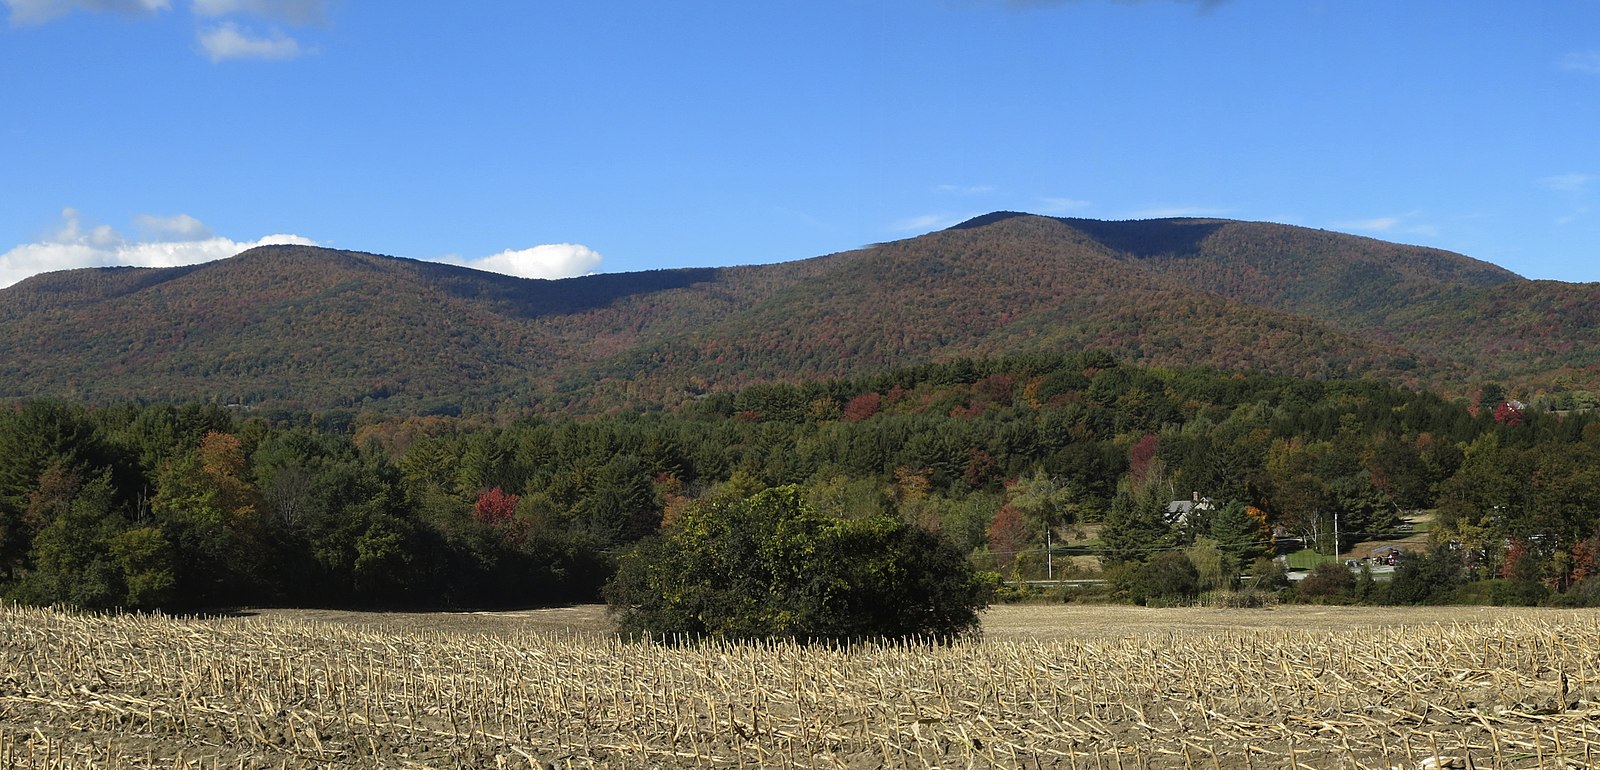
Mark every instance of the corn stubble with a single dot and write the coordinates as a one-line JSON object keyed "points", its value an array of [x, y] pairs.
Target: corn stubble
{"points": [[89, 691]]}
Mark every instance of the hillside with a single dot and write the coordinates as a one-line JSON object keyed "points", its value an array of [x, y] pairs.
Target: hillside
{"points": [[306, 327]]}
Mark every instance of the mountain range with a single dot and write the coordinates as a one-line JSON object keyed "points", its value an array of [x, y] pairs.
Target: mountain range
{"points": [[312, 328]]}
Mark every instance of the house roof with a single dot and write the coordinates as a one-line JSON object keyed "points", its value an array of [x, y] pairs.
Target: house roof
{"points": [[1177, 510]]}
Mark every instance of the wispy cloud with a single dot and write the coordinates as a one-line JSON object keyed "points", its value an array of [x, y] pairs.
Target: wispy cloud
{"points": [[223, 37], [228, 41], [1574, 188], [1168, 212], [1373, 225], [551, 260], [170, 241], [289, 11], [1582, 61], [1400, 224], [1204, 5], [957, 189], [1579, 214], [41, 11], [1567, 182], [928, 222], [1060, 206], [181, 227]]}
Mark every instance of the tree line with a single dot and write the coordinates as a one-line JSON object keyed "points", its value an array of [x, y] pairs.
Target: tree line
{"points": [[192, 506]]}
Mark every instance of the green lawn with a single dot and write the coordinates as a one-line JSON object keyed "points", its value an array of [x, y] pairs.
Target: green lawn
{"points": [[1307, 559]]}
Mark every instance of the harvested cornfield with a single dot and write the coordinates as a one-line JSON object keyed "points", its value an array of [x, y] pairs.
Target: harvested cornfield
{"points": [[1517, 690]]}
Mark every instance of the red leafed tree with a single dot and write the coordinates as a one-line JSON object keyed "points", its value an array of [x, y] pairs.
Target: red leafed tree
{"points": [[1140, 457], [980, 469], [1509, 413], [1008, 534], [996, 388], [863, 406], [495, 508], [1515, 552], [1585, 558]]}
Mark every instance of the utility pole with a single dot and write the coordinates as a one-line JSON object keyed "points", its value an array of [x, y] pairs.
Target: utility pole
{"points": [[1335, 535], [1049, 555]]}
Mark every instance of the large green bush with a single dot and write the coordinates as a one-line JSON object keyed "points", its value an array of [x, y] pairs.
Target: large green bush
{"points": [[768, 566], [1328, 583], [1169, 577]]}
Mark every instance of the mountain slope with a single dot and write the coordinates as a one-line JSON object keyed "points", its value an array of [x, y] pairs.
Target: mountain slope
{"points": [[1015, 285], [313, 328], [1351, 281]]}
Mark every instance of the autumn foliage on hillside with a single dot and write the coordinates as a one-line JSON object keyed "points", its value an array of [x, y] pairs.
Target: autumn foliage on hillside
{"points": [[303, 328]]}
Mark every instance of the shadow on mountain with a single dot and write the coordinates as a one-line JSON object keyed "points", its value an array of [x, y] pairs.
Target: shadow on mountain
{"points": [[1150, 237], [536, 297], [989, 219], [1143, 238], [102, 283]]}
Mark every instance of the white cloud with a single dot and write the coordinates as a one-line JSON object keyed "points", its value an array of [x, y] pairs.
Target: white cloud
{"points": [[40, 11], [1566, 182], [1585, 61], [290, 11], [228, 41], [73, 246], [550, 260]]}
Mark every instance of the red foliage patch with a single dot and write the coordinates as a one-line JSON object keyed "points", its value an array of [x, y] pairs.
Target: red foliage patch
{"points": [[1508, 413], [1141, 455], [863, 406], [495, 508]]}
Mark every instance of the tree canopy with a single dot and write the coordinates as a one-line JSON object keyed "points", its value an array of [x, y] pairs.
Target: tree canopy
{"points": [[198, 505]]}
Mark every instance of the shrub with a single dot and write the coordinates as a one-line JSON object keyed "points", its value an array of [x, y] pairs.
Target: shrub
{"points": [[1328, 583], [1584, 593], [1430, 578], [1268, 575], [1168, 578], [768, 566]]}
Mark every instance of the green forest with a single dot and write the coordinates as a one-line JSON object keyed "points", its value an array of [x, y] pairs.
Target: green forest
{"points": [[199, 506]]}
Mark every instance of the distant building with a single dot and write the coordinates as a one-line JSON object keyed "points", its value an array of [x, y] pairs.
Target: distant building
{"points": [[1178, 511]]}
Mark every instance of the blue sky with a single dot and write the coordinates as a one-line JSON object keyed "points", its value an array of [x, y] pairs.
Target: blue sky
{"points": [[546, 139]]}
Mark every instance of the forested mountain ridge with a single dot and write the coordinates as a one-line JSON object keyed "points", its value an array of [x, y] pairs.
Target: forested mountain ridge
{"points": [[307, 327]]}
